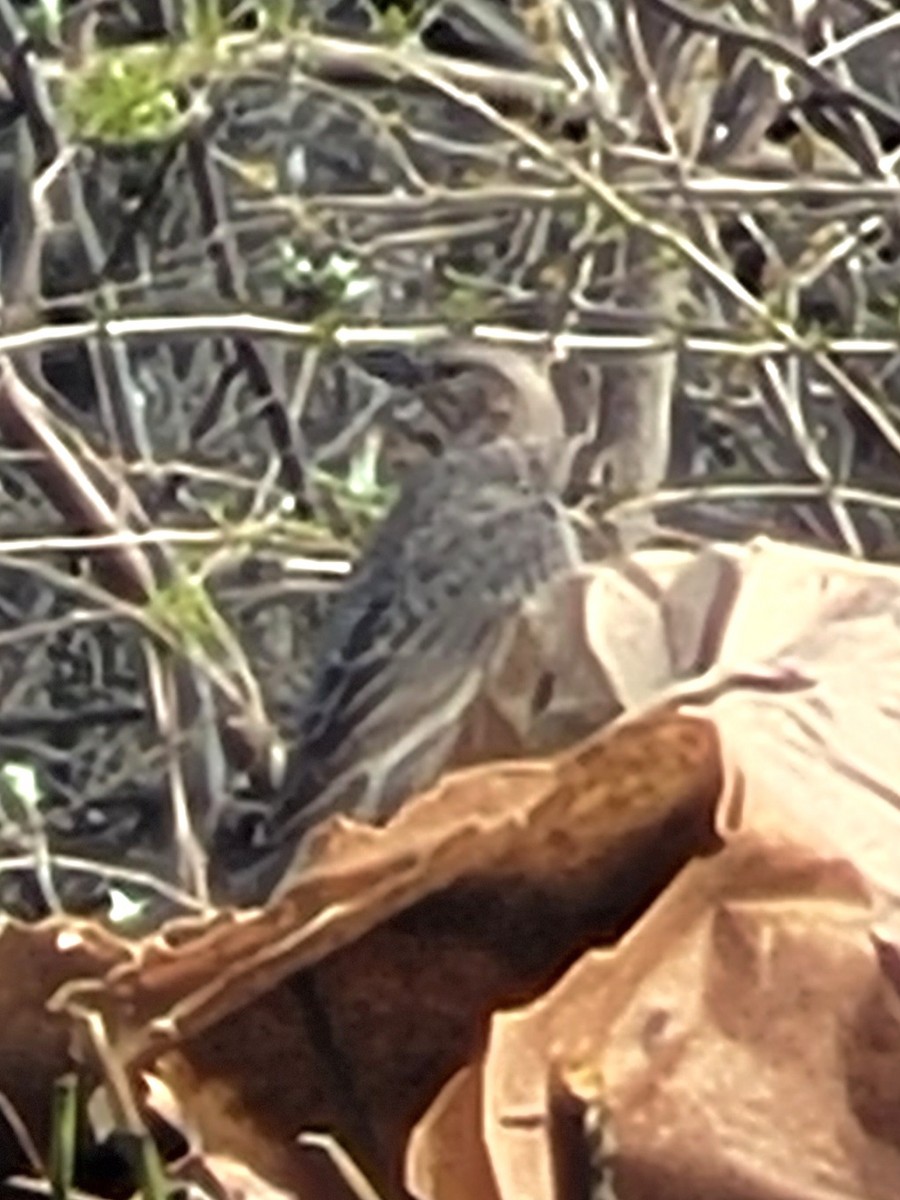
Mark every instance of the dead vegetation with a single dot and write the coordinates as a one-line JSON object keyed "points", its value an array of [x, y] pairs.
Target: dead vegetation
{"points": [[644, 944]]}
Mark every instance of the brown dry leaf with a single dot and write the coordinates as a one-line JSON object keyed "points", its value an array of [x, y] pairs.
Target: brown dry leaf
{"points": [[740, 1044], [743, 1039], [805, 692], [447, 1155], [35, 960], [603, 641], [348, 1002], [793, 653]]}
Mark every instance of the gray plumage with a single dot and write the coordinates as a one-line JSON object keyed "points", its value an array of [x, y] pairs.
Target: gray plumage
{"points": [[406, 646], [470, 539]]}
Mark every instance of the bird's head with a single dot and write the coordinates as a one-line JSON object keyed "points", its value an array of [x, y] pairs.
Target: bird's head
{"points": [[473, 391]]}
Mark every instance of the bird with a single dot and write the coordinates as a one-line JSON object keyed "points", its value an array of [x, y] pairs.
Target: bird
{"points": [[405, 649]]}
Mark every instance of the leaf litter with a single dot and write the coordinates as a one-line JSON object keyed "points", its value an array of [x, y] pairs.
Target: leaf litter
{"points": [[660, 962]]}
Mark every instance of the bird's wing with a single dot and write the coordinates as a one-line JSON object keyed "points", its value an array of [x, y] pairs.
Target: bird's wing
{"points": [[405, 649]]}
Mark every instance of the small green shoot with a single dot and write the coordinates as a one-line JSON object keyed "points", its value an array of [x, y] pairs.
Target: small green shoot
{"points": [[126, 97], [204, 21], [333, 279], [63, 1136], [151, 1173], [400, 19], [187, 614], [44, 20], [362, 477]]}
